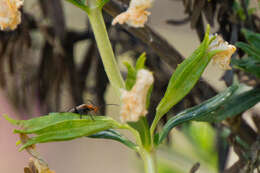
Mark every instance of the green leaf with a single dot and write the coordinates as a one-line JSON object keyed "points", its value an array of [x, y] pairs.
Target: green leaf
{"points": [[83, 4], [132, 72], [197, 112], [140, 63], [67, 133], [131, 76], [36, 124], [148, 98], [80, 4], [248, 64], [101, 3], [11, 121], [250, 50], [252, 37], [184, 78], [114, 135], [142, 127], [243, 99], [251, 63], [63, 126]]}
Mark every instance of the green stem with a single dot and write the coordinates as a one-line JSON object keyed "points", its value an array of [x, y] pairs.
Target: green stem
{"points": [[149, 160], [154, 124], [147, 154], [105, 48]]}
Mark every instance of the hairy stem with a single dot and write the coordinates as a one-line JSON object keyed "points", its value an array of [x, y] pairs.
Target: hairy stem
{"points": [[105, 48]]}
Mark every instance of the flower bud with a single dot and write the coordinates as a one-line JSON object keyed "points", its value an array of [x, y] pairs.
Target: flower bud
{"points": [[134, 101]]}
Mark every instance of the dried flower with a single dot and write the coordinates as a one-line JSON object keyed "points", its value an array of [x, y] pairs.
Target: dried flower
{"points": [[37, 163], [136, 15], [222, 58], [134, 101], [36, 166], [10, 16]]}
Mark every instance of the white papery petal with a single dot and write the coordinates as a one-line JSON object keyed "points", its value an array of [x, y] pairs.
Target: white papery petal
{"points": [[134, 101], [222, 58], [136, 15]]}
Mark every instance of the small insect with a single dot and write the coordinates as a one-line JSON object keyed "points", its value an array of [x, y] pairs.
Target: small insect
{"points": [[85, 109]]}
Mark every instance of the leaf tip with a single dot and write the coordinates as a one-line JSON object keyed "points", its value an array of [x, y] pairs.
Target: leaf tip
{"points": [[10, 120], [18, 142]]}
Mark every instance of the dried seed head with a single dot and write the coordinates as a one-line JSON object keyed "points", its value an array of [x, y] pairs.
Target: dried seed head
{"points": [[10, 16], [222, 58], [36, 166], [134, 101], [136, 15]]}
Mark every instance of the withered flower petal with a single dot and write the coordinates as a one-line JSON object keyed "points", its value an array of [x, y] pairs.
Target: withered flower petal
{"points": [[10, 16], [136, 15], [223, 57], [134, 101]]}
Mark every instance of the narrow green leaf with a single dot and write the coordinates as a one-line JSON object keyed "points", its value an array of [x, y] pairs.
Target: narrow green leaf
{"points": [[101, 3], [65, 124], [114, 135], [83, 4], [142, 127], [38, 123], [80, 4], [148, 98], [184, 78], [197, 112], [62, 126], [252, 37], [248, 64], [132, 72], [11, 121], [140, 63], [131, 76], [75, 130], [242, 100], [250, 50]]}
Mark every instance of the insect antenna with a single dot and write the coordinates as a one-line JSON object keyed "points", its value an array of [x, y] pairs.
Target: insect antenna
{"points": [[109, 105], [101, 106]]}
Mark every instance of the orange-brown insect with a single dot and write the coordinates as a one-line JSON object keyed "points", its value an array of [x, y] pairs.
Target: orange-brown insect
{"points": [[85, 109]]}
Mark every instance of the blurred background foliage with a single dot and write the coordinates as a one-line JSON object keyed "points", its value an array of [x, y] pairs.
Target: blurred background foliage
{"points": [[41, 72]]}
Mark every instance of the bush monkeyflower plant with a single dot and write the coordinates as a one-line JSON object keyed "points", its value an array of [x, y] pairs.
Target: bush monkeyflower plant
{"points": [[135, 93]]}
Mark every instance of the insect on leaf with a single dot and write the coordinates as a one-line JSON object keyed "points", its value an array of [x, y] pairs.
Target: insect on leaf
{"points": [[62, 127]]}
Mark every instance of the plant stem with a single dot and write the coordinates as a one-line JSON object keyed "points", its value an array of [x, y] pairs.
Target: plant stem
{"points": [[149, 160], [105, 48], [154, 124]]}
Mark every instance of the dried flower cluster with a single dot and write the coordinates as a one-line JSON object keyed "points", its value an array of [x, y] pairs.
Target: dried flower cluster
{"points": [[36, 163], [134, 101], [222, 58], [10, 16], [36, 166], [136, 15]]}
